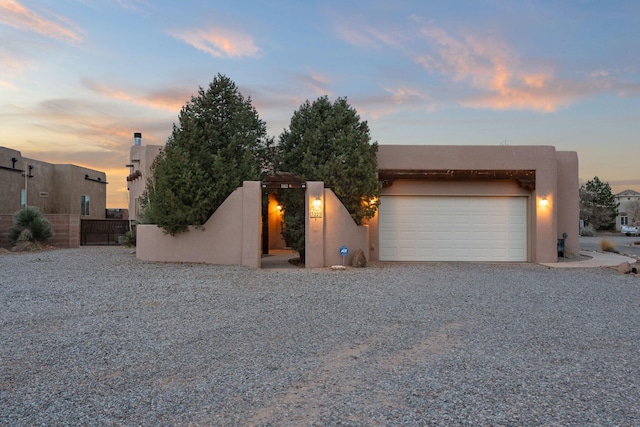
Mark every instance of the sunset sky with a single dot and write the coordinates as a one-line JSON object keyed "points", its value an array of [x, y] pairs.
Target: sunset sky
{"points": [[79, 77]]}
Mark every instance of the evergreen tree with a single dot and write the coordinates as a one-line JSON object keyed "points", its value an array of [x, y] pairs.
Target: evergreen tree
{"points": [[219, 143], [328, 142], [598, 206]]}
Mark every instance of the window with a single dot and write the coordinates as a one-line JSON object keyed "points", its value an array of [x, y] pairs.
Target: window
{"points": [[84, 205], [624, 220]]}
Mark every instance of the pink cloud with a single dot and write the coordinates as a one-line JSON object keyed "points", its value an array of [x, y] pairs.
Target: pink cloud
{"points": [[219, 42], [317, 82], [488, 66], [405, 95], [8, 85], [16, 15], [171, 100], [359, 32], [495, 73]]}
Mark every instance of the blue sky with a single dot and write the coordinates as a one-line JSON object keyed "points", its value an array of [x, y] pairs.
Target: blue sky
{"points": [[78, 77]]}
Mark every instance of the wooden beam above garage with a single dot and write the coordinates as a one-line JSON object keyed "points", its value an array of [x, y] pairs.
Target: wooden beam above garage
{"points": [[525, 178]]}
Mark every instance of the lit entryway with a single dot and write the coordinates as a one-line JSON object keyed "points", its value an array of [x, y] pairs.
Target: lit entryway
{"points": [[429, 228]]}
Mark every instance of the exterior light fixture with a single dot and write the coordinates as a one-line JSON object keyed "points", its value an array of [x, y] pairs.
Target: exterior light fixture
{"points": [[279, 207], [317, 203], [316, 208], [543, 203]]}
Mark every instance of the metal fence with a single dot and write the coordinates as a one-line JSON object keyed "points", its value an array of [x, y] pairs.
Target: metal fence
{"points": [[102, 231]]}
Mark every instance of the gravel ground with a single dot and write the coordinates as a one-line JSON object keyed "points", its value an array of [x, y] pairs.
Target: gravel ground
{"points": [[93, 336]]}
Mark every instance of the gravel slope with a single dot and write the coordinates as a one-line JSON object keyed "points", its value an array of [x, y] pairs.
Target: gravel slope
{"points": [[93, 336]]}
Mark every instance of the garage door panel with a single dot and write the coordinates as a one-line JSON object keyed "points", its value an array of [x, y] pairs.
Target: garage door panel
{"points": [[421, 228]]}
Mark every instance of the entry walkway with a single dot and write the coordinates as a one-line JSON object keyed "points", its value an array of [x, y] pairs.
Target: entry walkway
{"points": [[596, 259], [278, 258]]}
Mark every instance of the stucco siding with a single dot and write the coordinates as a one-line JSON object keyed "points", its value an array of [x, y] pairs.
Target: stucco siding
{"points": [[556, 175], [230, 236], [342, 230], [569, 200], [52, 188]]}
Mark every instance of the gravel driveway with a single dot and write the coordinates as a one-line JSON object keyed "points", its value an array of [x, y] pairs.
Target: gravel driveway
{"points": [[93, 336]]}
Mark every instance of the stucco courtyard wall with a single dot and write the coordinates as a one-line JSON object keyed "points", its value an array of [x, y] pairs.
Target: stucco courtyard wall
{"points": [[326, 235], [231, 236]]}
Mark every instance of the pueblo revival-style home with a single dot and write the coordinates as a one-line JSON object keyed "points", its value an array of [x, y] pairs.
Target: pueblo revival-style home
{"points": [[64, 193], [438, 203], [53, 188]]}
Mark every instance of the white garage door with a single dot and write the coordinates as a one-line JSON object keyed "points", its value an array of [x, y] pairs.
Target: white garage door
{"points": [[426, 228]]}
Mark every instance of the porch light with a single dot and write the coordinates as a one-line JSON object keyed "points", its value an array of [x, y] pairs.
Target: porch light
{"points": [[370, 202], [317, 204], [543, 203], [316, 208], [279, 207]]}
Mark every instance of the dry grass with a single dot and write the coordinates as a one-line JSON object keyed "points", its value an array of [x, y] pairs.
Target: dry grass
{"points": [[607, 245]]}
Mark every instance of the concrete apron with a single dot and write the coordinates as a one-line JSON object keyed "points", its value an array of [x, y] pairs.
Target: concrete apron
{"points": [[597, 259]]}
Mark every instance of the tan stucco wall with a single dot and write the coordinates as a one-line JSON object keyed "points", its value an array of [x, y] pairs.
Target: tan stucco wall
{"points": [[314, 240], [70, 184], [11, 179], [569, 200], [556, 176], [341, 230], [53, 188], [140, 158], [231, 236], [324, 236]]}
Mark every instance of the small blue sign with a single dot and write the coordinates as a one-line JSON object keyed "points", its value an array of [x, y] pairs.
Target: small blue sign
{"points": [[344, 250]]}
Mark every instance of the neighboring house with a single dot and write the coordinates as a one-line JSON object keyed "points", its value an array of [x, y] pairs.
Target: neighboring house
{"points": [[53, 188], [629, 209], [140, 160], [438, 203]]}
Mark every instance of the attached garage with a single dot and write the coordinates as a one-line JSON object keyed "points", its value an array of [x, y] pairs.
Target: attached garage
{"points": [[456, 228]]}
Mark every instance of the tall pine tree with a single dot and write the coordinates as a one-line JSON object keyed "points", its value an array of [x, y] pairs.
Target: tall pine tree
{"points": [[328, 142], [219, 143]]}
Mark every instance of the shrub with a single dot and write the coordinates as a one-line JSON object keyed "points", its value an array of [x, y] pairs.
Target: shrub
{"points": [[30, 226], [607, 245], [130, 237]]}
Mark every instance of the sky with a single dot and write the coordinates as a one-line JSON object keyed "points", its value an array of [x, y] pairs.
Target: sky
{"points": [[79, 77]]}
